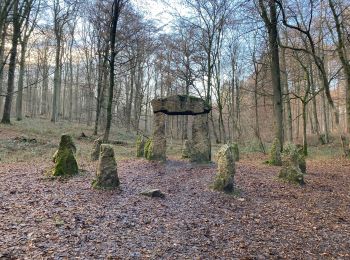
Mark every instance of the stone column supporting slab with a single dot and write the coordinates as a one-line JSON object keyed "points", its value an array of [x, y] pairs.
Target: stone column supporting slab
{"points": [[201, 151], [159, 140]]}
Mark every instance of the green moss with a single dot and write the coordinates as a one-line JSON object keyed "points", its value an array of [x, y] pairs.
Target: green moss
{"points": [[235, 151], [148, 150], [293, 155], [186, 150], [275, 153], [226, 169], [140, 146], [96, 184], [65, 162], [292, 174], [222, 184]]}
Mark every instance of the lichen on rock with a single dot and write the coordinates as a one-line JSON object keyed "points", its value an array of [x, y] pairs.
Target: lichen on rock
{"points": [[140, 146], [158, 144], [235, 151], [293, 155], [64, 159], [153, 193], [275, 153], [186, 149], [224, 179], [201, 147], [147, 152], [96, 149], [292, 174], [293, 164], [106, 174]]}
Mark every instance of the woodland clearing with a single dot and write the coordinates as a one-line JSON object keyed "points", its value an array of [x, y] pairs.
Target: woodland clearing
{"points": [[266, 218]]}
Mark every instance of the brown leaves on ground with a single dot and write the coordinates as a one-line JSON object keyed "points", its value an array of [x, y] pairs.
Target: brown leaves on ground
{"points": [[270, 219]]}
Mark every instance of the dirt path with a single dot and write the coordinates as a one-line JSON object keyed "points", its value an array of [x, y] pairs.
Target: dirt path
{"points": [[270, 219]]}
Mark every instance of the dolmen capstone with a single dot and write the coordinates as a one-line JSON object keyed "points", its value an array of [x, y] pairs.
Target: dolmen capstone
{"points": [[64, 158], [106, 174]]}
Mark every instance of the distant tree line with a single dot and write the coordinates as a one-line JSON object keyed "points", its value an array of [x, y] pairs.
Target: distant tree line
{"points": [[268, 68]]}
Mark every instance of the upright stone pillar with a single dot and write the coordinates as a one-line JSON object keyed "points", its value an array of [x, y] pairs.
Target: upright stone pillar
{"points": [[200, 139], [158, 140]]}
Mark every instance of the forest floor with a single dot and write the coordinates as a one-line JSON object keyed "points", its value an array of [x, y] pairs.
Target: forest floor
{"points": [[265, 219]]}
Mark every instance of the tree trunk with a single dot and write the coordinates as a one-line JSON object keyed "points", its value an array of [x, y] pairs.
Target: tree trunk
{"points": [[304, 128], [56, 80], [116, 11], [287, 106], [2, 62], [12, 65]]}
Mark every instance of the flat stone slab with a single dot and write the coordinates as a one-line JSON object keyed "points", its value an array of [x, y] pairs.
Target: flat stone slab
{"points": [[153, 193], [180, 105]]}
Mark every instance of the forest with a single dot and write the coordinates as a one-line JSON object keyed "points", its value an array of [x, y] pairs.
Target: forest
{"points": [[183, 129]]}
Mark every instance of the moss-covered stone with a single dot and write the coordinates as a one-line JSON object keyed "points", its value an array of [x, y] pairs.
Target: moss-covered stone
{"points": [[106, 174], [292, 174], [235, 151], [96, 149], [201, 146], [154, 193], [293, 155], [224, 179], [140, 145], [158, 138], [186, 149], [64, 159], [148, 149], [275, 153]]}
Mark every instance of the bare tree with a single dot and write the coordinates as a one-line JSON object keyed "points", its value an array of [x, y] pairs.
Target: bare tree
{"points": [[116, 10], [269, 15]]}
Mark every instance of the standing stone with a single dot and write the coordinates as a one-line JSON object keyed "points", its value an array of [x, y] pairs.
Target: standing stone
{"points": [[106, 175], [224, 180], [158, 145], [293, 155], [140, 146], [235, 151], [186, 149], [201, 147], [96, 149], [275, 153], [65, 162], [293, 165], [147, 151]]}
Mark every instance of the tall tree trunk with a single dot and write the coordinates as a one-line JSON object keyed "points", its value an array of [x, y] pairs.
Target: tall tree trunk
{"points": [[45, 85], [113, 30], [304, 115], [2, 62], [12, 65], [286, 98], [271, 21], [56, 80], [342, 53]]}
